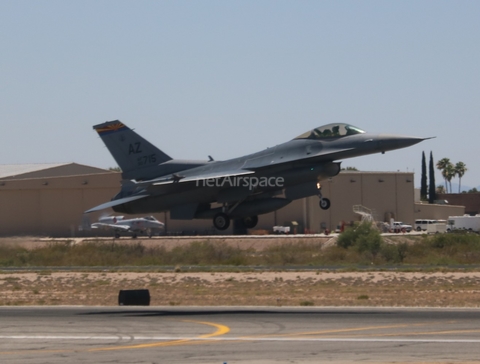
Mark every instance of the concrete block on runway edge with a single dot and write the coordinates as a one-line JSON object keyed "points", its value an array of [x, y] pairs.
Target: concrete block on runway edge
{"points": [[134, 297]]}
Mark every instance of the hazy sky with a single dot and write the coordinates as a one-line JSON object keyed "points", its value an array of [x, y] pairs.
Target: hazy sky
{"points": [[227, 78]]}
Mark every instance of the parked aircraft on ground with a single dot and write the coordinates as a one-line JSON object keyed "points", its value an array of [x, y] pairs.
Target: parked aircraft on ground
{"points": [[243, 187], [139, 226]]}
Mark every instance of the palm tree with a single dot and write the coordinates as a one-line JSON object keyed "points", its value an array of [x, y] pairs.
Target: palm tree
{"points": [[460, 169], [442, 165], [449, 174]]}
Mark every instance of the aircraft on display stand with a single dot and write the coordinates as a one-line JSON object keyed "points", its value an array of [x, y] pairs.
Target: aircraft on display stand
{"points": [[139, 226]]}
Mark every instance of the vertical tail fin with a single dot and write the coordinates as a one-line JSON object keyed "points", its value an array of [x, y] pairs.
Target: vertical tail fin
{"points": [[131, 152]]}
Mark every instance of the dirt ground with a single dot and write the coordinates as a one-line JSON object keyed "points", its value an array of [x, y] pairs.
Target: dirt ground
{"points": [[309, 288], [451, 289], [169, 242]]}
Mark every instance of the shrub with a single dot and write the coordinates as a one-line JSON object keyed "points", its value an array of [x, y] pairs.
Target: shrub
{"points": [[363, 237], [394, 253], [293, 253], [306, 303], [205, 252]]}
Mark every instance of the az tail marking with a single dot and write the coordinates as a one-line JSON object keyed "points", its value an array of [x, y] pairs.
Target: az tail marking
{"points": [[134, 148]]}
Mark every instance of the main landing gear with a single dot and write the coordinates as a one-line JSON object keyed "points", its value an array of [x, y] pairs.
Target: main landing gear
{"points": [[324, 203], [221, 221], [250, 222]]}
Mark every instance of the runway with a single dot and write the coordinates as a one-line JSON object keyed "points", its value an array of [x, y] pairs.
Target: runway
{"points": [[238, 335]]}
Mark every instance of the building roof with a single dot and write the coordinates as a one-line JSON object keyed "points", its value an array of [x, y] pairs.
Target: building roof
{"points": [[24, 171]]}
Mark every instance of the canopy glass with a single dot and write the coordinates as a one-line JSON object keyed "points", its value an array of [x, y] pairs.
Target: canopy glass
{"points": [[331, 131]]}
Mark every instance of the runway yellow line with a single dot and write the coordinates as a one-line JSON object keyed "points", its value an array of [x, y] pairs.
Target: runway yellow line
{"points": [[221, 330], [341, 331], [346, 331], [329, 333]]}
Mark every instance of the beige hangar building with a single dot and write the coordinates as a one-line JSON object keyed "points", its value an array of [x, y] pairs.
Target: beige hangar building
{"points": [[49, 200]]}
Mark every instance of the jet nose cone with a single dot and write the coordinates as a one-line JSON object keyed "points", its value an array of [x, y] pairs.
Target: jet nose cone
{"points": [[392, 142]]}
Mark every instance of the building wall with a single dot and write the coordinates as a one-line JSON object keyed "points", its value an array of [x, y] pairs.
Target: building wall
{"points": [[471, 201], [386, 194], [54, 206], [70, 169], [437, 212]]}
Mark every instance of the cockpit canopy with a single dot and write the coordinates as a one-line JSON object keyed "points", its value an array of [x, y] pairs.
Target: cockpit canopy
{"points": [[331, 131]]}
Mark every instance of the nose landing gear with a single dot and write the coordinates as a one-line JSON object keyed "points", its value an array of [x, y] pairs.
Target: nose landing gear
{"points": [[324, 203]]}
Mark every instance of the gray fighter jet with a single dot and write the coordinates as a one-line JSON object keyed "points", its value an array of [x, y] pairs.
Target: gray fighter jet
{"points": [[239, 188]]}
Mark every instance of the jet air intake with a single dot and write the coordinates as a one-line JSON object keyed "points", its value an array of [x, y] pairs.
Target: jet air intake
{"points": [[311, 172]]}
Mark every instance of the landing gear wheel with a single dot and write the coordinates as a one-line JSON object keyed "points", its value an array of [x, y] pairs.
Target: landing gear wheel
{"points": [[221, 221], [250, 222], [324, 203], [117, 236]]}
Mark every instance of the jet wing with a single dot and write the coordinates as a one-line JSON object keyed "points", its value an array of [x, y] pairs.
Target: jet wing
{"points": [[120, 201], [111, 226], [200, 177]]}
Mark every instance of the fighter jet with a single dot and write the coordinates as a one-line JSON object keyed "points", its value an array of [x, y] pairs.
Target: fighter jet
{"points": [[239, 188], [143, 225]]}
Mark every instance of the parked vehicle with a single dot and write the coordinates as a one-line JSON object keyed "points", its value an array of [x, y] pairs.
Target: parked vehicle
{"points": [[465, 222], [422, 224], [281, 229], [400, 227], [439, 227]]}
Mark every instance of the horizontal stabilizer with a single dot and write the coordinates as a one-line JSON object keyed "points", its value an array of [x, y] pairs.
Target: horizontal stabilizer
{"points": [[120, 201], [205, 176]]}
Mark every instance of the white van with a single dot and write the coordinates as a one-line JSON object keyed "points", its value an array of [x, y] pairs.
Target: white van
{"points": [[422, 224]]}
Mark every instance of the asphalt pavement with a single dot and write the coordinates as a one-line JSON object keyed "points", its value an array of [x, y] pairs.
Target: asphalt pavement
{"points": [[260, 335]]}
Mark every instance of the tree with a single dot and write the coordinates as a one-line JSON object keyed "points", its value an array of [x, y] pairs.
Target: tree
{"points": [[432, 194], [460, 169], [442, 166], [440, 189], [423, 184], [449, 173]]}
